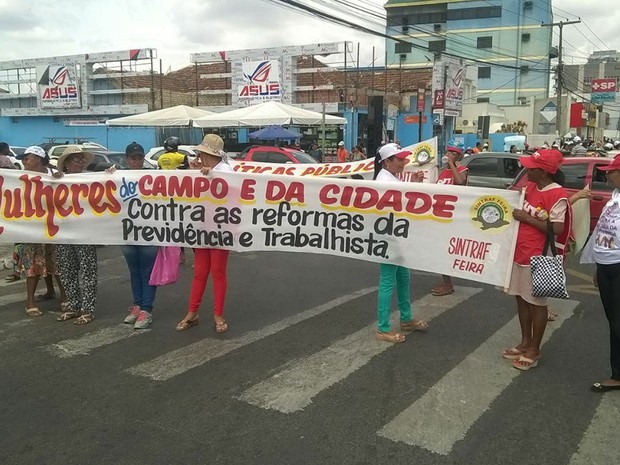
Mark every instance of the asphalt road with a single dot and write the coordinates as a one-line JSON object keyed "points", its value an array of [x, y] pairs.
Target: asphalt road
{"points": [[299, 378]]}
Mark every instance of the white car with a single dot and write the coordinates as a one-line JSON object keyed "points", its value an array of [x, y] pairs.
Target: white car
{"points": [[17, 151], [156, 152]]}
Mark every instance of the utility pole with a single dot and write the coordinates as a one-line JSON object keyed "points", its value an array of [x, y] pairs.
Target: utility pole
{"points": [[560, 70]]}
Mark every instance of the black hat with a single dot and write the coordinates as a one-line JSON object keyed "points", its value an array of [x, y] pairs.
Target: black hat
{"points": [[133, 149]]}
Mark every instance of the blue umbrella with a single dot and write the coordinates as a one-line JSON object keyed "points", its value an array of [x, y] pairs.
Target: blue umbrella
{"points": [[274, 133]]}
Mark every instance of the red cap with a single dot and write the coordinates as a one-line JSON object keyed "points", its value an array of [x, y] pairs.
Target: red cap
{"points": [[456, 150], [548, 160], [614, 165]]}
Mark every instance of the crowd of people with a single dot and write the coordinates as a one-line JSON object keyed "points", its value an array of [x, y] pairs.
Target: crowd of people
{"points": [[546, 212]]}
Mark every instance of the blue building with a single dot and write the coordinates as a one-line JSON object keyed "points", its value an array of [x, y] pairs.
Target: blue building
{"points": [[502, 38]]}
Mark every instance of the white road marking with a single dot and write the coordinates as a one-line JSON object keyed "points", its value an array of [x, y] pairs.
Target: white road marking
{"points": [[86, 343], [194, 355], [293, 387], [444, 414], [599, 444]]}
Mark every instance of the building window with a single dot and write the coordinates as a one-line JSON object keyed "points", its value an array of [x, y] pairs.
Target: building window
{"points": [[437, 46], [525, 37], [484, 72], [401, 47], [482, 100], [485, 42], [475, 13], [522, 100]]}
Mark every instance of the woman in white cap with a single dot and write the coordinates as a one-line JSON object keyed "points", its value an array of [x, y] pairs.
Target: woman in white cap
{"points": [[77, 263], [390, 162], [39, 259], [209, 261]]}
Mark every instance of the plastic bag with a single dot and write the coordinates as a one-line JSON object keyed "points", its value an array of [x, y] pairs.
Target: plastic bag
{"points": [[166, 268]]}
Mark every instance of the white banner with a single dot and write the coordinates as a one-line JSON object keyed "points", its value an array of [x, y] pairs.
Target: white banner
{"points": [[460, 231], [423, 158]]}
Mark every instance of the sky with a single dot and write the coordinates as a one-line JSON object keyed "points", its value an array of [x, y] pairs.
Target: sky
{"points": [[176, 28]]}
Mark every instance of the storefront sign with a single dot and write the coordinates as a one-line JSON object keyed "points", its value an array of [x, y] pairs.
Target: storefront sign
{"points": [[58, 86]]}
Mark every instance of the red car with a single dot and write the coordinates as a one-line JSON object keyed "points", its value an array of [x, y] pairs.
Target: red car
{"points": [[272, 154], [581, 172]]}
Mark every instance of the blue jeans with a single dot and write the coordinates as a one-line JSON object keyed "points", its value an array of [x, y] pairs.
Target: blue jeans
{"points": [[140, 260], [393, 275]]}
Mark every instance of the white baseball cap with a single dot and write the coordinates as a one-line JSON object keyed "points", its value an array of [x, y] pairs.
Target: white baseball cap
{"points": [[392, 150], [576, 139], [340, 143], [34, 150]]}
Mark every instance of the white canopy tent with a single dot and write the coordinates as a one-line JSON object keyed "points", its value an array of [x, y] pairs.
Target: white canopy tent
{"points": [[267, 114], [180, 115]]}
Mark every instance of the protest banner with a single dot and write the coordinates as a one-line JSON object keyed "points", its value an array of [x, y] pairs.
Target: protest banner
{"points": [[423, 158], [461, 231]]}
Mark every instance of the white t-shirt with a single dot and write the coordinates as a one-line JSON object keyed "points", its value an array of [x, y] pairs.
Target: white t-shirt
{"points": [[386, 176], [222, 166], [606, 236]]}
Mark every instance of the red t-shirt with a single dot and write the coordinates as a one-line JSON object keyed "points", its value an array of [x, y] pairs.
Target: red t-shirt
{"points": [[446, 176], [531, 240]]}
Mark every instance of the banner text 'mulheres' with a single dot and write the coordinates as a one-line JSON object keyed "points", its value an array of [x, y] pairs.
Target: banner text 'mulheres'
{"points": [[367, 198], [35, 199]]}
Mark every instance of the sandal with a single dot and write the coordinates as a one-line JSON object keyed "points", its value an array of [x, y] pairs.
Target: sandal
{"points": [[46, 296], [186, 324], [12, 278], [390, 337], [68, 315], [551, 316], [441, 291], [84, 319], [512, 354], [221, 326], [33, 311], [65, 307], [524, 363], [414, 325]]}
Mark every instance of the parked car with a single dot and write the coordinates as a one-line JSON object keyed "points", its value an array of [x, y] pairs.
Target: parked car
{"points": [[579, 173], [272, 154], [114, 158], [17, 152], [156, 152], [55, 151], [492, 169]]}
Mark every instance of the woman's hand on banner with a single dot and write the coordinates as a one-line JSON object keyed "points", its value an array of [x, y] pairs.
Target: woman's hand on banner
{"points": [[520, 215], [58, 174], [417, 176], [111, 169], [205, 170]]}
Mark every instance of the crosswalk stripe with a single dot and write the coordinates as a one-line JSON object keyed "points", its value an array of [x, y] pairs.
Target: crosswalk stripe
{"points": [[597, 444], [86, 343], [293, 388], [444, 414], [194, 355]]}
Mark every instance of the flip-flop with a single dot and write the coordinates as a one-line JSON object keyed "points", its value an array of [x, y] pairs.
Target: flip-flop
{"points": [[84, 319], [414, 325], [599, 387], [221, 327], [12, 278], [442, 292], [512, 354], [33, 311], [390, 337], [186, 324], [524, 363], [44, 297], [68, 315]]}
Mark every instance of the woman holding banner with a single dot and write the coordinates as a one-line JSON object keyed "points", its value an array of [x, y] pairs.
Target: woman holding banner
{"points": [[140, 260], [453, 174], [390, 162], [77, 263], [545, 202], [209, 261]]}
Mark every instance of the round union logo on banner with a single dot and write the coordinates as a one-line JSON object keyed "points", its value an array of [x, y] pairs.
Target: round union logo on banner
{"points": [[491, 213], [422, 154]]}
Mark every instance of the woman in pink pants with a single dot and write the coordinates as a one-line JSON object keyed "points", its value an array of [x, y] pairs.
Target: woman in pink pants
{"points": [[209, 261]]}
